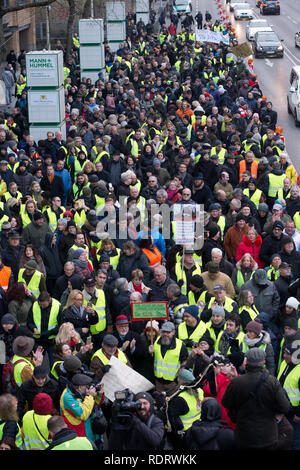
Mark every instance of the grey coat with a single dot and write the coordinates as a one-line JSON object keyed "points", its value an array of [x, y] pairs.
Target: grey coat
{"points": [[266, 297]]}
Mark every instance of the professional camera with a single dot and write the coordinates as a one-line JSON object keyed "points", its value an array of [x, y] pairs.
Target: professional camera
{"points": [[123, 410]]}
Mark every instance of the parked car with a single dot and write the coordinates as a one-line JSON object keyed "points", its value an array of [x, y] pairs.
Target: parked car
{"points": [[293, 95], [243, 11], [297, 39], [256, 25], [270, 7], [267, 44], [233, 3]]}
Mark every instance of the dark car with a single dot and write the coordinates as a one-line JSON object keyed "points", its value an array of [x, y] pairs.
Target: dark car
{"points": [[270, 7], [267, 44]]}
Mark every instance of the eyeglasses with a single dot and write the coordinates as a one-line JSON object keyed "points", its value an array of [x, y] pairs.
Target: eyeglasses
{"points": [[79, 299]]}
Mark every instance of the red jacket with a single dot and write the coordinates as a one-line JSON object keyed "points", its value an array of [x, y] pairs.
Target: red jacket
{"points": [[246, 246], [222, 382]]}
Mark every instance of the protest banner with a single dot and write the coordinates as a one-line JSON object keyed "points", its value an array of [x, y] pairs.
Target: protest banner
{"points": [[120, 376], [141, 311], [206, 35]]}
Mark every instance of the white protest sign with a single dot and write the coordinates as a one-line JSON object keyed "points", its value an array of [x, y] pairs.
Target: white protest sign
{"points": [[206, 35], [120, 376]]}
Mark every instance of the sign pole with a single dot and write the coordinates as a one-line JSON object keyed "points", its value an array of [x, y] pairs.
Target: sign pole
{"points": [[151, 340]]}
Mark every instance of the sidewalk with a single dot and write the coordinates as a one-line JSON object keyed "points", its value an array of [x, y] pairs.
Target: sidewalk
{"points": [[3, 106]]}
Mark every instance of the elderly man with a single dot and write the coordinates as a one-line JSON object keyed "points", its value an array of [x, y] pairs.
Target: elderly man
{"points": [[67, 281], [225, 266], [99, 362], [169, 353], [291, 231], [159, 285], [277, 214]]}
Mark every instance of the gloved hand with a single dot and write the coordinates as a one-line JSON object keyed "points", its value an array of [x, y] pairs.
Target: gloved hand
{"points": [[105, 369], [181, 432]]}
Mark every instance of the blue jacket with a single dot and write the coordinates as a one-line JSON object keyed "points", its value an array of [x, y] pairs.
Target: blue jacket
{"points": [[65, 176]]}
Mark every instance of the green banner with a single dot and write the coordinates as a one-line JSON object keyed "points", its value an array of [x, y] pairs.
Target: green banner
{"points": [[149, 310]]}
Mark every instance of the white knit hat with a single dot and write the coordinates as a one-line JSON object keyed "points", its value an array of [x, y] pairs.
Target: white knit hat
{"points": [[155, 325], [292, 302]]}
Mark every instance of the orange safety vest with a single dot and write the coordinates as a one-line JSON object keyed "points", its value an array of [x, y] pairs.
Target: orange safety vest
{"points": [[243, 168], [154, 258], [4, 277]]}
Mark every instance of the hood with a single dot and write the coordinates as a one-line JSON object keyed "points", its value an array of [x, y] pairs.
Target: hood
{"points": [[48, 239], [266, 339]]}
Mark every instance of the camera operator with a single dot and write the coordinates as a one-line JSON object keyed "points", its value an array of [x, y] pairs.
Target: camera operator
{"points": [[143, 429], [79, 402]]}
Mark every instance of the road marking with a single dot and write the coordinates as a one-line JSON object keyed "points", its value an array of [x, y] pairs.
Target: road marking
{"points": [[269, 63]]}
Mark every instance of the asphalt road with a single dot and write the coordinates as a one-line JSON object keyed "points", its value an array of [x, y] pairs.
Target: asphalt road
{"points": [[273, 73]]}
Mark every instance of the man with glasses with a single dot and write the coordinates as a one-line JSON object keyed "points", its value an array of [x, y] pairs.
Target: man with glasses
{"points": [[151, 188]]}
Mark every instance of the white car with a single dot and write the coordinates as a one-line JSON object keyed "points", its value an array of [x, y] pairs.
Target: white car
{"points": [[236, 2], [297, 39], [256, 25], [243, 11]]}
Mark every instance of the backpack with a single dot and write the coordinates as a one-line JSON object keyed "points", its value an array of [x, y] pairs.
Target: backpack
{"points": [[8, 382]]}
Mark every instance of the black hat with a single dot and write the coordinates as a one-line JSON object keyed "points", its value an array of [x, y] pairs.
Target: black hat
{"points": [[90, 282], [292, 323], [72, 364], [197, 281], [104, 258], [40, 371]]}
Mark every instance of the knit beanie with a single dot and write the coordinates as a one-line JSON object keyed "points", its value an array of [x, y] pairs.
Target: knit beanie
{"points": [[8, 319], [197, 281], [218, 310], [255, 327], [192, 310], [292, 302], [77, 253], [42, 404], [291, 323]]}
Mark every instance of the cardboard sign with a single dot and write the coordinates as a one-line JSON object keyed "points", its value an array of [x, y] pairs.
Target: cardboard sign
{"points": [[120, 376], [242, 50], [141, 311]]}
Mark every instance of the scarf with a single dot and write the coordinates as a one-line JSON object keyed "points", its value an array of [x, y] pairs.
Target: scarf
{"points": [[81, 264], [137, 288], [50, 178], [253, 342]]}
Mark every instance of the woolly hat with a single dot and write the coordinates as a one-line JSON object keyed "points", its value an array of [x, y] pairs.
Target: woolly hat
{"points": [[255, 355], [122, 320], [255, 327], [192, 310], [155, 325], [218, 310], [292, 302], [38, 216], [40, 371], [8, 319], [186, 375], [213, 267], [78, 252], [291, 323], [42, 404], [197, 281]]}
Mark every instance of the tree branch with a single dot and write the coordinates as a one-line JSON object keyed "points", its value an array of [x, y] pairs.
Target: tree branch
{"points": [[22, 6]]}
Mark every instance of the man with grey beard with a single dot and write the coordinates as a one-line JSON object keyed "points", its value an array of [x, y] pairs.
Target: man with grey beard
{"points": [[169, 353]]}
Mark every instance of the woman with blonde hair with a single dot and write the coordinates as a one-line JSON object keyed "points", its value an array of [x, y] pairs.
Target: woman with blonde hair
{"points": [[243, 272], [88, 168], [107, 247], [79, 315], [10, 433], [68, 334], [247, 309]]}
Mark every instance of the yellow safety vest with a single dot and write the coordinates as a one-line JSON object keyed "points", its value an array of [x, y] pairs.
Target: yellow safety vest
{"points": [[113, 260], [196, 335], [37, 317], [167, 367], [222, 224], [79, 217], [18, 438], [99, 306], [255, 196], [180, 275], [34, 282], [296, 219], [200, 302], [275, 183], [194, 404], [35, 435], [105, 360], [19, 367], [213, 336], [291, 383], [52, 217]]}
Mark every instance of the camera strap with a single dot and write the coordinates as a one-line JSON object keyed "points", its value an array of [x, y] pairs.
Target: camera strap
{"points": [[181, 389]]}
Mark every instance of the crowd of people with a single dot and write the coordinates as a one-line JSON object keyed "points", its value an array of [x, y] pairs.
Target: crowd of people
{"points": [[170, 122]]}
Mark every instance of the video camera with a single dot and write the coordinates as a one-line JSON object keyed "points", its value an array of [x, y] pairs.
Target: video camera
{"points": [[123, 409]]}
